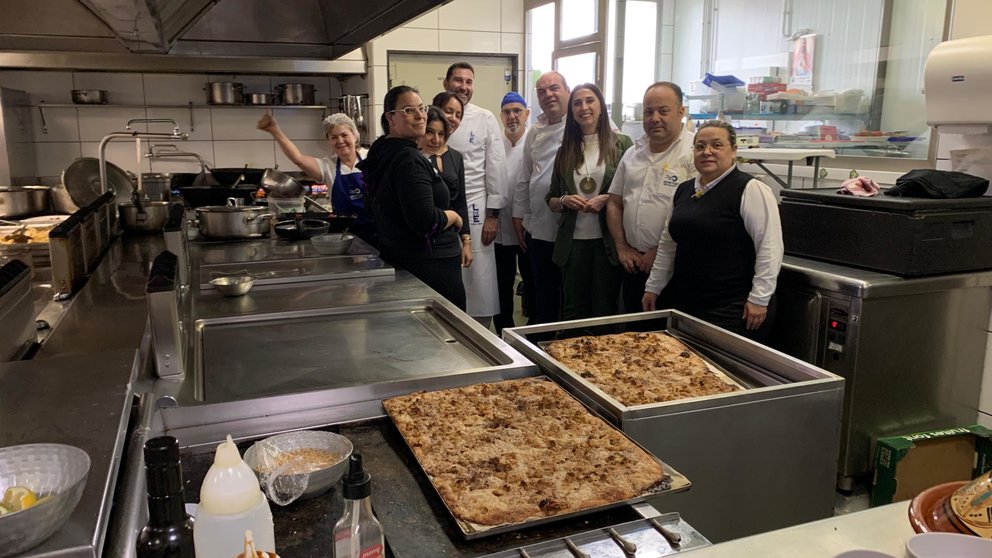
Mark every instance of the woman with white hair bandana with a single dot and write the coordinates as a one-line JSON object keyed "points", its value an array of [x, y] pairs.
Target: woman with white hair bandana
{"points": [[338, 170]]}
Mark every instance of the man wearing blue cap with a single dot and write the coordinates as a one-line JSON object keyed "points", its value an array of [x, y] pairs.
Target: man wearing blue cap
{"points": [[514, 114]]}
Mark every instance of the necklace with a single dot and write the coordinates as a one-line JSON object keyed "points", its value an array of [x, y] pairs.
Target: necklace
{"points": [[588, 184]]}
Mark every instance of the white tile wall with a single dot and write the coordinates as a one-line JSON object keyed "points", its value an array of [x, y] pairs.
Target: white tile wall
{"points": [[468, 41], [472, 15], [314, 148], [512, 17], [511, 43], [255, 154], [52, 158], [122, 89], [175, 89], [96, 122], [426, 21], [199, 129], [300, 124], [51, 87], [62, 124], [204, 149], [404, 39], [237, 123]]}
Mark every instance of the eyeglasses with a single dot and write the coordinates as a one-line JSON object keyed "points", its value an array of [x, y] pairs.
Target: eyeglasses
{"points": [[412, 111], [715, 146], [513, 111]]}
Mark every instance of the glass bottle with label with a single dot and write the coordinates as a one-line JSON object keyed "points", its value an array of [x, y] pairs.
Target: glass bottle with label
{"points": [[169, 533], [358, 534]]}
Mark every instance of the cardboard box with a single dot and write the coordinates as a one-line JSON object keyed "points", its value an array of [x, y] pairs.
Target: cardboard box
{"points": [[908, 465]]}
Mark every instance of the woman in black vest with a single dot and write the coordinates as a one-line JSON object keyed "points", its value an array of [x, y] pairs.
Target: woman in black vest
{"points": [[721, 251]]}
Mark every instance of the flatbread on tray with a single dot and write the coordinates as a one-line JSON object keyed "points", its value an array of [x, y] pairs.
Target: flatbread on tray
{"points": [[639, 368], [509, 451]]}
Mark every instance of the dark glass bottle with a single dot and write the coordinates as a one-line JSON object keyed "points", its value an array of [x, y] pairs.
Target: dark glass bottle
{"points": [[169, 533]]}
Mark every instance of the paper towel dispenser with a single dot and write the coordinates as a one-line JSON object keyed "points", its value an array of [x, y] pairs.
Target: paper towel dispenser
{"points": [[958, 86]]}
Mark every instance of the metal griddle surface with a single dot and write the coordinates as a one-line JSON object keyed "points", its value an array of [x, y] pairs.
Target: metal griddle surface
{"points": [[413, 517], [299, 270], [246, 358]]}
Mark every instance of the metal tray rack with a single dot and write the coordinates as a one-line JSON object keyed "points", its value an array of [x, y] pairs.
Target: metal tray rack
{"points": [[785, 426]]}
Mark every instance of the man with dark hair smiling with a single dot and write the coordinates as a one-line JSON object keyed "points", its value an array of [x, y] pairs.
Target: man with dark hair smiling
{"points": [[479, 141]]}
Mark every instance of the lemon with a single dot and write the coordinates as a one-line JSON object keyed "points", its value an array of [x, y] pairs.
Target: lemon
{"points": [[18, 498], [3, 510]]}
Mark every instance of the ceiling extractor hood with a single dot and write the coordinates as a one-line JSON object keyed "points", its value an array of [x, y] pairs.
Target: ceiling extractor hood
{"points": [[298, 29], [149, 26]]}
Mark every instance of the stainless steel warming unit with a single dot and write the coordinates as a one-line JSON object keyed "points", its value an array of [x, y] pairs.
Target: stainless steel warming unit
{"points": [[759, 459], [910, 337], [911, 349]]}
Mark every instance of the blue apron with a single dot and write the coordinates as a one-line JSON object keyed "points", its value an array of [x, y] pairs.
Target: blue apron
{"points": [[348, 194]]}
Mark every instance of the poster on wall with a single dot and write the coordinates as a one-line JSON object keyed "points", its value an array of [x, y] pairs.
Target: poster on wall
{"points": [[801, 72]]}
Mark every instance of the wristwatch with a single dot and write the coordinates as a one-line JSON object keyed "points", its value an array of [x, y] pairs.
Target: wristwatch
{"points": [[492, 213]]}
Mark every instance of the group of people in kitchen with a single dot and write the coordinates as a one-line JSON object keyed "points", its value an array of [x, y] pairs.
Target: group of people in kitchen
{"points": [[595, 222]]}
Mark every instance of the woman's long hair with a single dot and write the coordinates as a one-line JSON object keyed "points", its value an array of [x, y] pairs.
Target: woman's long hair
{"points": [[570, 154], [389, 103]]}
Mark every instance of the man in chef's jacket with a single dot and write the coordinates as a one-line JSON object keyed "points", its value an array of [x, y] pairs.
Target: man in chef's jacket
{"points": [[535, 224], [479, 140]]}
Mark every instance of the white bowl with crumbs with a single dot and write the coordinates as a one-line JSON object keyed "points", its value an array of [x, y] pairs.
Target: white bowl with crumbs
{"points": [[319, 458]]}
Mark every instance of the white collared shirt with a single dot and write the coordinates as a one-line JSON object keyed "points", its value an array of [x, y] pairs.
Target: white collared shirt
{"points": [[514, 160], [540, 148], [761, 220], [647, 181], [479, 140], [328, 166]]}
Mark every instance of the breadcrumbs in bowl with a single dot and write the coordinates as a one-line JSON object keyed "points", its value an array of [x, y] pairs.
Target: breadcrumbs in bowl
{"points": [[323, 456]]}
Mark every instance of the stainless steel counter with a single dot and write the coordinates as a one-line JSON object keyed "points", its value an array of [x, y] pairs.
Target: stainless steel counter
{"points": [[79, 400]]}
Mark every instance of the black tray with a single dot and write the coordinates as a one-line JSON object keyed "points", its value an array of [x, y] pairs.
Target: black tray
{"points": [[302, 229]]}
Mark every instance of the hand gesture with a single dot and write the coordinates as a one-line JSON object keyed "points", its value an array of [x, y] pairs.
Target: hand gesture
{"points": [[267, 122]]}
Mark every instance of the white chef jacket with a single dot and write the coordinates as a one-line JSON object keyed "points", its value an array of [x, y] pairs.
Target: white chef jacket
{"points": [[759, 211], [647, 181], [479, 140], [540, 148], [328, 166], [514, 159]]}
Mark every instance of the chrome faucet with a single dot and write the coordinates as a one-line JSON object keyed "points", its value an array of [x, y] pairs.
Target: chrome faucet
{"points": [[175, 126], [174, 135], [159, 151]]}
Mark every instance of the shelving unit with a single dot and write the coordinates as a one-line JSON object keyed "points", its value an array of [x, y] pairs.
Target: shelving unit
{"points": [[191, 106]]}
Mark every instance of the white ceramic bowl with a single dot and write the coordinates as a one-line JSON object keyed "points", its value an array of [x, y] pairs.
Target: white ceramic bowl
{"points": [[47, 469], [319, 481], [948, 545], [333, 244]]}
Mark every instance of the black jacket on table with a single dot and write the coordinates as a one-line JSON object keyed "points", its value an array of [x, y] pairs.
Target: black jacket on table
{"points": [[408, 201]]}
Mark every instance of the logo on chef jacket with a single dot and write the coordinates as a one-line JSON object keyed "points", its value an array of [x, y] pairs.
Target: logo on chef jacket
{"points": [[671, 180], [476, 214], [471, 138]]}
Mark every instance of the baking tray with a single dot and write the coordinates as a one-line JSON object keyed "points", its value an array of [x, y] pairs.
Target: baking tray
{"points": [[717, 370], [674, 482]]}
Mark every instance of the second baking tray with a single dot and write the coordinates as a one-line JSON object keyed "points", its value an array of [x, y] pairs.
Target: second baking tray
{"points": [[675, 482]]}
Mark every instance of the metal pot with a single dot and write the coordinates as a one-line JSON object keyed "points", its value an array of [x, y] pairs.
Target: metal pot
{"points": [[297, 93], [260, 99], [157, 186], [225, 221], [22, 201], [61, 200], [152, 220], [225, 93], [89, 96]]}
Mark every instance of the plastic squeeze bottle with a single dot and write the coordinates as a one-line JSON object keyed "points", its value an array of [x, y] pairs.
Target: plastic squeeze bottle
{"points": [[358, 534], [230, 504]]}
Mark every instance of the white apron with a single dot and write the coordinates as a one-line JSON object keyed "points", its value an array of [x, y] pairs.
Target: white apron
{"points": [[482, 299]]}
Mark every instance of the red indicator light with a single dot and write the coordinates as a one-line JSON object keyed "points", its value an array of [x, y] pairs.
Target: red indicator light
{"points": [[833, 324]]}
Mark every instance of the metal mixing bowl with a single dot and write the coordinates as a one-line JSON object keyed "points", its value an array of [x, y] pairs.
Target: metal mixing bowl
{"points": [[259, 457], [333, 244], [57, 474], [233, 286]]}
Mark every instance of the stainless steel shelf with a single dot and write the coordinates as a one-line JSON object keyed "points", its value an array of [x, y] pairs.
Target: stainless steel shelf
{"points": [[72, 105], [776, 116]]}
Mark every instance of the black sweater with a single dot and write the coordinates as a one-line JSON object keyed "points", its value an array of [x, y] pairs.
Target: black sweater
{"points": [[408, 201]]}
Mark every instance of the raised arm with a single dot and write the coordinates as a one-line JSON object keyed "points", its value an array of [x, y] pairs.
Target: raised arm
{"points": [[306, 163]]}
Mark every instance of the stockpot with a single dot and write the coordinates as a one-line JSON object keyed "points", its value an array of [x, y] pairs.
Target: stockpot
{"points": [[297, 93], [151, 220], [23, 201], [230, 221], [225, 93]]}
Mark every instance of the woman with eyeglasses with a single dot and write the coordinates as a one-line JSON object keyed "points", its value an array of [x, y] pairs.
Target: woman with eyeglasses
{"points": [[721, 251], [580, 181], [410, 201], [450, 165]]}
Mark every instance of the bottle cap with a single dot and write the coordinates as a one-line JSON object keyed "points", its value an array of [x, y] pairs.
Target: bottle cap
{"points": [[357, 484], [163, 450]]}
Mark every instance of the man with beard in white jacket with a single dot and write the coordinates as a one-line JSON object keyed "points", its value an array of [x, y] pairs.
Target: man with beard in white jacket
{"points": [[479, 140]]}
